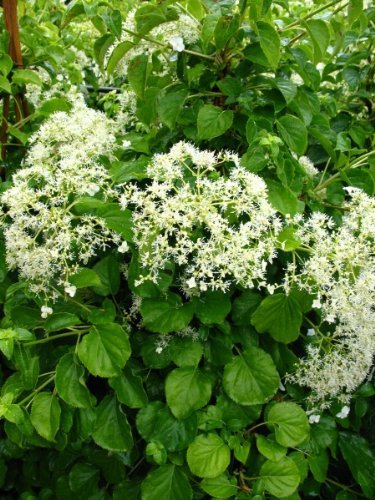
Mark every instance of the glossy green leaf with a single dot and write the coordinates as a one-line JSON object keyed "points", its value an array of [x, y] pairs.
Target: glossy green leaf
{"points": [[213, 121], [269, 448], [220, 487], [105, 350], [45, 415], [24, 76], [269, 42], [212, 307], [168, 482], [360, 459], [251, 378], [155, 422], [280, 315], [137, 74], [112, 431], [187, 389], [70, 382], [208, 456], [129, 389], [5, 85], [293, 131], [167, 314], [290, 423], [279, 478]]}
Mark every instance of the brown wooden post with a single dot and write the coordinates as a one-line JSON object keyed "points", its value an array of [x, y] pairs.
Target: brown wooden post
{"points": [[11, 25]]}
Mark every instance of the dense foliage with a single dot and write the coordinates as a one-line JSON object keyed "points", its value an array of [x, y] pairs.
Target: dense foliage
{"points": [[187, 270]]}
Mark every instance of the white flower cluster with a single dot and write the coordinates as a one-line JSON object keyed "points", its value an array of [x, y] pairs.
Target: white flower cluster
{"points": [[340, 271], [308, 166], [173, 34], [44, 239], [218, 229]]}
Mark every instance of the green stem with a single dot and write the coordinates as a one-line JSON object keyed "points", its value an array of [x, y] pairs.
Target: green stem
{"points": [[310, 14], [199, 54], [345, 488], [48, 339], [357, 163], [38, 389], [249, 431]]}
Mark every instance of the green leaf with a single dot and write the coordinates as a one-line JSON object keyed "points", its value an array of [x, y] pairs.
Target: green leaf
{"points": [[283, 199], [61, 321], [225, 29], [155, 422], [6, 64], [186, 351], [290, 423], [167, 314], [208, 456], [187, 389], [85, 277], [167, 482], [361, 179], [117, 54], [105, 350], [114, 22], [5, 85], [268, 447], [244, 306], [251, 378], [170, 104], [117, 219], [70, 383], [360, 459], [23, 76], [269, 42], [319, 34], [112, 431], [137, 74], [53, 105], [149, 16], [355, 9], [280, 315], [279, 478], [101, 46], [108, 270], [83, 479], [129, 389], [213, 121], [319, 466], [294, 133], [287, 88], [45, 415], [212, 307], [220, 486]]}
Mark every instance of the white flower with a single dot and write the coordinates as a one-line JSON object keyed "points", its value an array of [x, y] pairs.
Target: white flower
{"points": [[44, 239], [126, 144], [46, 311], [308, 166], [191, 283], [159, 349], [70, 289], [174, 35], [124, 247], [236, 227], [177, 43], [314, 419], [92, 189], [344, 412], [311, 332], [340, 271]]}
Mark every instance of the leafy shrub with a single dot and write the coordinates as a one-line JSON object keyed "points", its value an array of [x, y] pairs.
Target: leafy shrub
{"points": [[187, 260]]}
